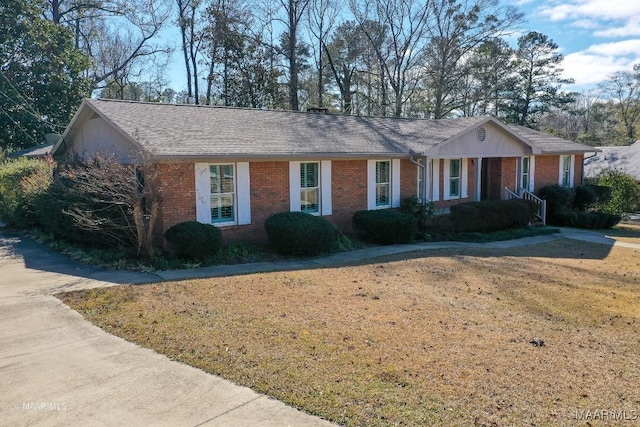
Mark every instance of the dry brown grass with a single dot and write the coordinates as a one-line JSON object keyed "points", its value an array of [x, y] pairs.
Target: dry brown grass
{"points": [[428, 338], [625, 232]]}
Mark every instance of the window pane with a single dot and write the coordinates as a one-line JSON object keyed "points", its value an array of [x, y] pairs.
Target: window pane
{"points": [[454, 187], [309, 200], [565, 170], [382, 172], [308, 175], [382, 194], [214, 171], [222, 193], [454, 169]]}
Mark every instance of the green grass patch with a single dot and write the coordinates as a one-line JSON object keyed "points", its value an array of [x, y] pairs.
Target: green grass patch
{"points": [[493, 236]]}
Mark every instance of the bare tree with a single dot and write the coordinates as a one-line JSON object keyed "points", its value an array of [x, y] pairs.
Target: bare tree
{"points": [[137, 21], [400, 51], [192, 36], [624, 88], [294, 10], [118, 202], [455, 29], [321, 15]]}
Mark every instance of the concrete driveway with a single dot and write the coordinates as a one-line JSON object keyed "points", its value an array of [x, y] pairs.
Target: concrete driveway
{"points": [[58, 369]]}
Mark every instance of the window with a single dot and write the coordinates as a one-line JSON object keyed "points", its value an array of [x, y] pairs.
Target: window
{"points": [[420, 192], [222, 193], [565, 173], [525, 173], [309, 187], [383, 183], [454, 178]]}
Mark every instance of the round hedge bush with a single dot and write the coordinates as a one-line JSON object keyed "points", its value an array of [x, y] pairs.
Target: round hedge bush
{"points": [[300, 234], [386, 226], [192, 239]]}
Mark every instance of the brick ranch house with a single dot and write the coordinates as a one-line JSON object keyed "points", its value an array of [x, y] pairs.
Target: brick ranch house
{"points": [[235, 167]]}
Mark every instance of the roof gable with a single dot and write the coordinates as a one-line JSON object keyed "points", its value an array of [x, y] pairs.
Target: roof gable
{"points": [[488, 138]]}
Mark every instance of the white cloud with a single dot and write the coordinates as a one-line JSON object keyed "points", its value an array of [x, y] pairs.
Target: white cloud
{"points": [[614, 49], [598, 62], [629, 29], [587, 24], [595, 9]]}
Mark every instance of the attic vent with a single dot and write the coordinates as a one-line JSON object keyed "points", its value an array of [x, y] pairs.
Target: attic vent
{"points": [[94, 116], [481, 134]]}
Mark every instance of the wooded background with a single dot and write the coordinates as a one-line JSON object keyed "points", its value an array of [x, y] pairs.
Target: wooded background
{"points": [[403, 58]]}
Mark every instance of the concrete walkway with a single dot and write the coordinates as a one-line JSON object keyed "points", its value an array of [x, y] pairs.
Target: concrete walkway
{"points": [[58, 369]]}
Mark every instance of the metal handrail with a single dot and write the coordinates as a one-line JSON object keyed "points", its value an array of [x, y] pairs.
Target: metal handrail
{"points": [[528, 195]]}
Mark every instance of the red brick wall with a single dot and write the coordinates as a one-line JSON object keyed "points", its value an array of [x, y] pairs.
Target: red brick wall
{"points": [[408, 179], [509, 168], [349, 193], [547, 171], [176, 182], [269, 194], [270, 190], [579, 166]]}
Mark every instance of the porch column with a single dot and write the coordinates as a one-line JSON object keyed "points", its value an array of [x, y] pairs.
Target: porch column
{"points": [[477, 177]]}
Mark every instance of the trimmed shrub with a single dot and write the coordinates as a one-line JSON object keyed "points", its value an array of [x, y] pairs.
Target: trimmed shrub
{"points": [[192, 239], [492, 215], [300, 234], [386, 226], [588, 220], [584, 197], [559, 199], [22, 183], [584, 206]]}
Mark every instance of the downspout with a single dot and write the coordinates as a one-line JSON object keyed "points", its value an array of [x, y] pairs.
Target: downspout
{"points": [[425, 187]]}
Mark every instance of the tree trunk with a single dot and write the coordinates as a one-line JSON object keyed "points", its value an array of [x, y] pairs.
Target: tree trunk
{"points": [[183, 33], [293, 63]]}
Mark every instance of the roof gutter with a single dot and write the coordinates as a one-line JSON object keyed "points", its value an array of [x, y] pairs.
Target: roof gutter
{"points": [[277, 157]]}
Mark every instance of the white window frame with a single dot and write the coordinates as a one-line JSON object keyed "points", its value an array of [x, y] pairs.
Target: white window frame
{"points": [[525, 175], [383, 183], [394, 184], [305, 190], [570, 172], [223, 195], [324, 191], [463, 179], [242, 194]]}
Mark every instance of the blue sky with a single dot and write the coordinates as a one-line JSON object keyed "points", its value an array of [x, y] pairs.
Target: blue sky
{"points": [[597, 37]]}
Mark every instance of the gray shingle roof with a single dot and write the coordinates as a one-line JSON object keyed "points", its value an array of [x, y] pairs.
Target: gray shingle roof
{"points": [[550, 144], [175, 131], [625, 159], [38, 151]]}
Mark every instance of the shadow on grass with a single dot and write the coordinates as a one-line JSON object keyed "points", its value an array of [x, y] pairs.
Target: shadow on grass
{"points": [[37, 256]]}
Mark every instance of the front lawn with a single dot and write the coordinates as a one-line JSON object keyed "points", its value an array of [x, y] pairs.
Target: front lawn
{"points": [[537, 335]]}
